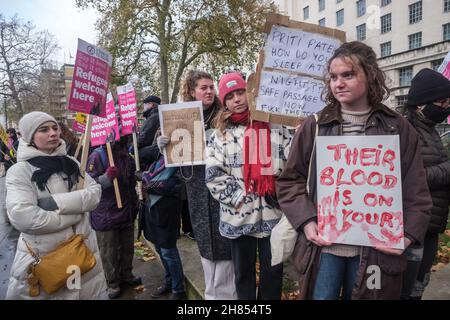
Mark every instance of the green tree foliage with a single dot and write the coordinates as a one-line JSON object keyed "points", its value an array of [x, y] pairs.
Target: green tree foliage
{"points": [[158, 40]]}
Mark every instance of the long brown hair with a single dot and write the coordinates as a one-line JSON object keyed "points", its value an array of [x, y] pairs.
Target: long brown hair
{"points": [[69, 137], [190, 83], [361, 55]]}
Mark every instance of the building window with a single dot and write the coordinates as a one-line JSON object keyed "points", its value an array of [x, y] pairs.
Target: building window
{"points": [[386, 23], [415, 12], [401, 100], [361, 8], [306, 13], [415, 40], [385, 2], [435, 64], [321, 5], [337, 1], [446, 5], [385, 49], [405, 76], [340, 17], [446, 31], [322, 22], [361, 32]]}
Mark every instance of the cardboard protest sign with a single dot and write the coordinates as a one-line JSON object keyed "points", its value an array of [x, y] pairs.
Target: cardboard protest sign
{"points": [[127, 108], [289, 78], [102, 128], [79, 124], [184, 125], [359, 194], [90, 80]]}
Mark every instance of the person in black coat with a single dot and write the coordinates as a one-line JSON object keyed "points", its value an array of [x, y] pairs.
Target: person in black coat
{"points": [[151, 123], [428, 105]]}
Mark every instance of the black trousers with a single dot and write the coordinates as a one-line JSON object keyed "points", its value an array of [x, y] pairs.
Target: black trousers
{"points": [[243, 252], [415, 278]]}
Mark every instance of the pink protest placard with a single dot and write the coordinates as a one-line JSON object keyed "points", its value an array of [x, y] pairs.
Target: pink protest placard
{"points": [[79, 125], [90, 80], [104, 127], [127, 108], [359, 194]]}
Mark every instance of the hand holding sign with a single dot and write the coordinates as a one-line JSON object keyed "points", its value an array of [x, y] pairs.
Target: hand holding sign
{"points": [[109, 139]]}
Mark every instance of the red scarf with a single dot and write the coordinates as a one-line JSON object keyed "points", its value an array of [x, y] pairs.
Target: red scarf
{"points": [[258, 172]]}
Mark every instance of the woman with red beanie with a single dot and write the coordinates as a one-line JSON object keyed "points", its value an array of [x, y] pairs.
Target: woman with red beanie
{"points": [[243, 159]]}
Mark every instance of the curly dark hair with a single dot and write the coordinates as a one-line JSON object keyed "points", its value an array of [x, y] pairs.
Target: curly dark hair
{"points": [[363, 56]]}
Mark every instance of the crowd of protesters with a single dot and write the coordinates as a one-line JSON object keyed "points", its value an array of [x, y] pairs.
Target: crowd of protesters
{"points": [[231, 203]]}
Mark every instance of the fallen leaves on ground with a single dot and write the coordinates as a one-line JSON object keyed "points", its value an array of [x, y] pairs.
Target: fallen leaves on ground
{"points": [[443, 254], [142, 252], [290, 295], [139, 289]]}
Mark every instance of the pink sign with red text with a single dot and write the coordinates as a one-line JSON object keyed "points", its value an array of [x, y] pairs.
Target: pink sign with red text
{"points": [[359, 194], [90, 80], [104, 127], [127, 108]]}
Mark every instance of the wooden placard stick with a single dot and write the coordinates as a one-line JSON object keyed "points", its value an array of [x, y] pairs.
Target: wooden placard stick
{"points": [[85, 152], [111, 163], [80, 143], [136, 160]]}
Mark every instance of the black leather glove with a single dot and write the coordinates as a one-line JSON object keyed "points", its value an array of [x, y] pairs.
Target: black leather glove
{"points": [[47, 204]]}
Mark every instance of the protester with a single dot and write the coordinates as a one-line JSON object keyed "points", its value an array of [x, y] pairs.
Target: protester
{"points": [[355, 88], [70, 138], [245, 187], [44, 204], [427, 106], [162, 223], [8, 151], [203, 208], [151, 123], [115, 226]]}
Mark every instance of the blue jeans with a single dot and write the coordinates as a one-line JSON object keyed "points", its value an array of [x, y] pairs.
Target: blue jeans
{"points": [[173, 268], [334, 273]]}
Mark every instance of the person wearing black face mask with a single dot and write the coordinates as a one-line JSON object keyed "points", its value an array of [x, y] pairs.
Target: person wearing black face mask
{"points": [[428, 105]]}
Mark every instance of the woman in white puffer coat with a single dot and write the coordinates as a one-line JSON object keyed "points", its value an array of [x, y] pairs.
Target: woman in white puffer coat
{"points": [[43, 204]]}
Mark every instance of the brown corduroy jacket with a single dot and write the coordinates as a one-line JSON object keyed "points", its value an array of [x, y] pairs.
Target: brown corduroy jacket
{"points": [[301, 208]]}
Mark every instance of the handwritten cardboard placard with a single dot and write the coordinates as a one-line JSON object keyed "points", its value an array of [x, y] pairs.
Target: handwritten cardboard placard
{"points": [[184, 125], [90, 80], [104, 127], [297, 51], [289, 94], [127, 108], [359, 194]]}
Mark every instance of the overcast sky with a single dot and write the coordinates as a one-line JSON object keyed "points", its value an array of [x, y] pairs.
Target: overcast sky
{"points": [[60, 17]]}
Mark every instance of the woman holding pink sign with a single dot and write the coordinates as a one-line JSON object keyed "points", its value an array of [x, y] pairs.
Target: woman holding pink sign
{"points": [[355, 89]]}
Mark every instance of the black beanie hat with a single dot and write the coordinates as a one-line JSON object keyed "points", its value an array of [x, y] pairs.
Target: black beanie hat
{"points": [[153, 99], [428, 86]]}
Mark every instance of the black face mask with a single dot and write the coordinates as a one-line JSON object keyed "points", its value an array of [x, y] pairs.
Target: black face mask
{"points": [[435, 113]]}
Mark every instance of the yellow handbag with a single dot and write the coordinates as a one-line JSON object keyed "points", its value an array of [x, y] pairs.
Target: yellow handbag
{"points": [[51, 271]]}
